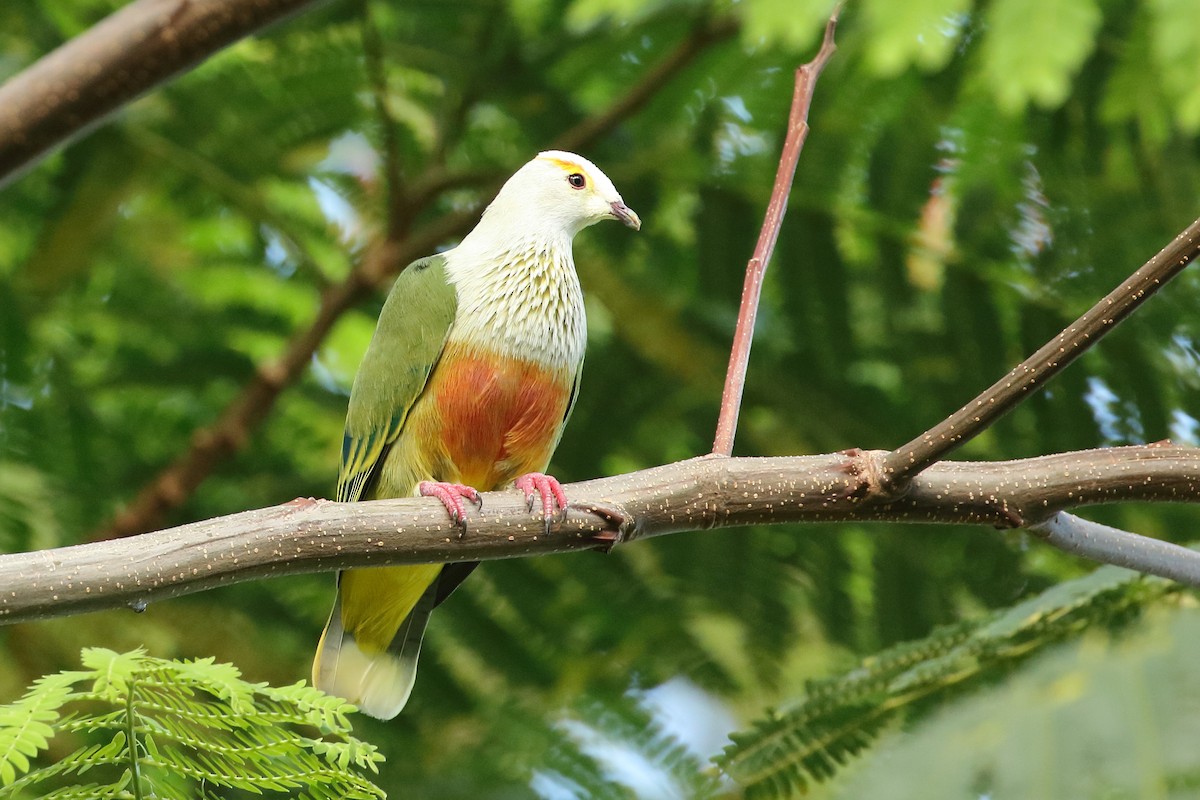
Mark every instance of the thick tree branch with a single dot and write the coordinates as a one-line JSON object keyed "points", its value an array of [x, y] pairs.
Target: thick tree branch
{"points": [[1028, 376], [703, 493], [797, 132], [130, 52]]}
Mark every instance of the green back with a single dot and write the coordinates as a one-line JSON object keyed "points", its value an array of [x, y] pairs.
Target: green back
{"points": [[408, 341]]}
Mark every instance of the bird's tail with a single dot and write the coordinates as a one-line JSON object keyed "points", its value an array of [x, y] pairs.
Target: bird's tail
{"points": [[379, 682]]}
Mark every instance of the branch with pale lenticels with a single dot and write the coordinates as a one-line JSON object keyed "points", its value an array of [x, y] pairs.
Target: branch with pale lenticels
{"points": [[911, 484], [1035, 371], [702, 493]]}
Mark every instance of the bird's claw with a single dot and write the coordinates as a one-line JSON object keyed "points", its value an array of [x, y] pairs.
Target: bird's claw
{"points": [[619, 526], [451, 495], [549, 489]]}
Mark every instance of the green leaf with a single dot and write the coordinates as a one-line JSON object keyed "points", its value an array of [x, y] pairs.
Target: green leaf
{"points": [[1034, 48], [792, 24], [921, 33], [1132, 697], [193, 724], [27, 725], [1176, 35], [840, 717]]}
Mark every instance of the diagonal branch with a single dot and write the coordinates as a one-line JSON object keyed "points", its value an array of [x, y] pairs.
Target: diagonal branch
{"points": [[138, 47], [589, 130], [702, 493], [232, 429], [935, 444], [797, 133]]}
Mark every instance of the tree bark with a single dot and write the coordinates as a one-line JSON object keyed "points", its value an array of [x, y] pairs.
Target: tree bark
{"points": [[701, 493], [133, 50]]}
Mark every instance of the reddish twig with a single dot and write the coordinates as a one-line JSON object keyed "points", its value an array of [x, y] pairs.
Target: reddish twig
{"points": [[797, 132], [900, 465]]}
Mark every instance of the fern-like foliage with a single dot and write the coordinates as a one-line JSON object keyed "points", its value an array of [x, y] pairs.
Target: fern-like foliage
{"points": [[134, 726], [838, 718]]}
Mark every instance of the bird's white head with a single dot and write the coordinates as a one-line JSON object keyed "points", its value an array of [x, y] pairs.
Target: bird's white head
{"points": [[558, 193]]}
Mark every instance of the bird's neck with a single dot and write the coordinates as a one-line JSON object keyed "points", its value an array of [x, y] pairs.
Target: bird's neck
{"points": [[520, 297]]}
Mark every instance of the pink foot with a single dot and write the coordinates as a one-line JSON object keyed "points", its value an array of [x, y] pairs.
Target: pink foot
{"points": [[550, 490], [451, 495]]}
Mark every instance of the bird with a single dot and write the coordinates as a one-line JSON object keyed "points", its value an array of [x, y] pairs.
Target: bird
{"points": [[466, 386]]}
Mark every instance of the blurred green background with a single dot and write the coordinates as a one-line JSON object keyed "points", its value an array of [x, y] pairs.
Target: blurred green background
{"points": [[977, 175]]}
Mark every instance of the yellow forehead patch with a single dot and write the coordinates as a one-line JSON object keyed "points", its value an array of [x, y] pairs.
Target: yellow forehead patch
{"points": [[564, 164]]}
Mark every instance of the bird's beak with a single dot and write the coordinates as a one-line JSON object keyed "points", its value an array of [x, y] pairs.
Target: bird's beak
{"points": [[626, 215]]}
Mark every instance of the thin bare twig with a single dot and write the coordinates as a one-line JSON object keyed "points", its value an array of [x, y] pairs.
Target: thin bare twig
{"points": [[797, 132], [935, 444], [314, 536], [136, 48]]}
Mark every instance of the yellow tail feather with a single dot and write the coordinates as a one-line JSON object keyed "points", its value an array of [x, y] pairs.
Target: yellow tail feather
{"points": [[369, 650], [378, 684]]}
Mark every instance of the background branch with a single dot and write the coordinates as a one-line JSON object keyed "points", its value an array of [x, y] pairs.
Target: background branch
{"points": [[210, 445], [1115, 546], [702, 493], [588, 130], [133, 50], [1006, 393]]}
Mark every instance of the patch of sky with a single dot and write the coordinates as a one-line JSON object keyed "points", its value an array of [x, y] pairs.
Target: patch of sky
{"points": [[1184, 428], [1119, 421], [736, 105], [622, 763], [680, 709], [276, 254], [1184, 358], [1032, 234], [338, 211], [351, 153], [556, 786], [327, 378], [692, 716]]}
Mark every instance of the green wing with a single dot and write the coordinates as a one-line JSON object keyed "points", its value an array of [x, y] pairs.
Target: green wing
{"points": [[408, 341]]}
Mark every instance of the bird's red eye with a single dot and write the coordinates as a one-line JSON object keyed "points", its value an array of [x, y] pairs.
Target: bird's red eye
{"points": [[577, 180]]}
